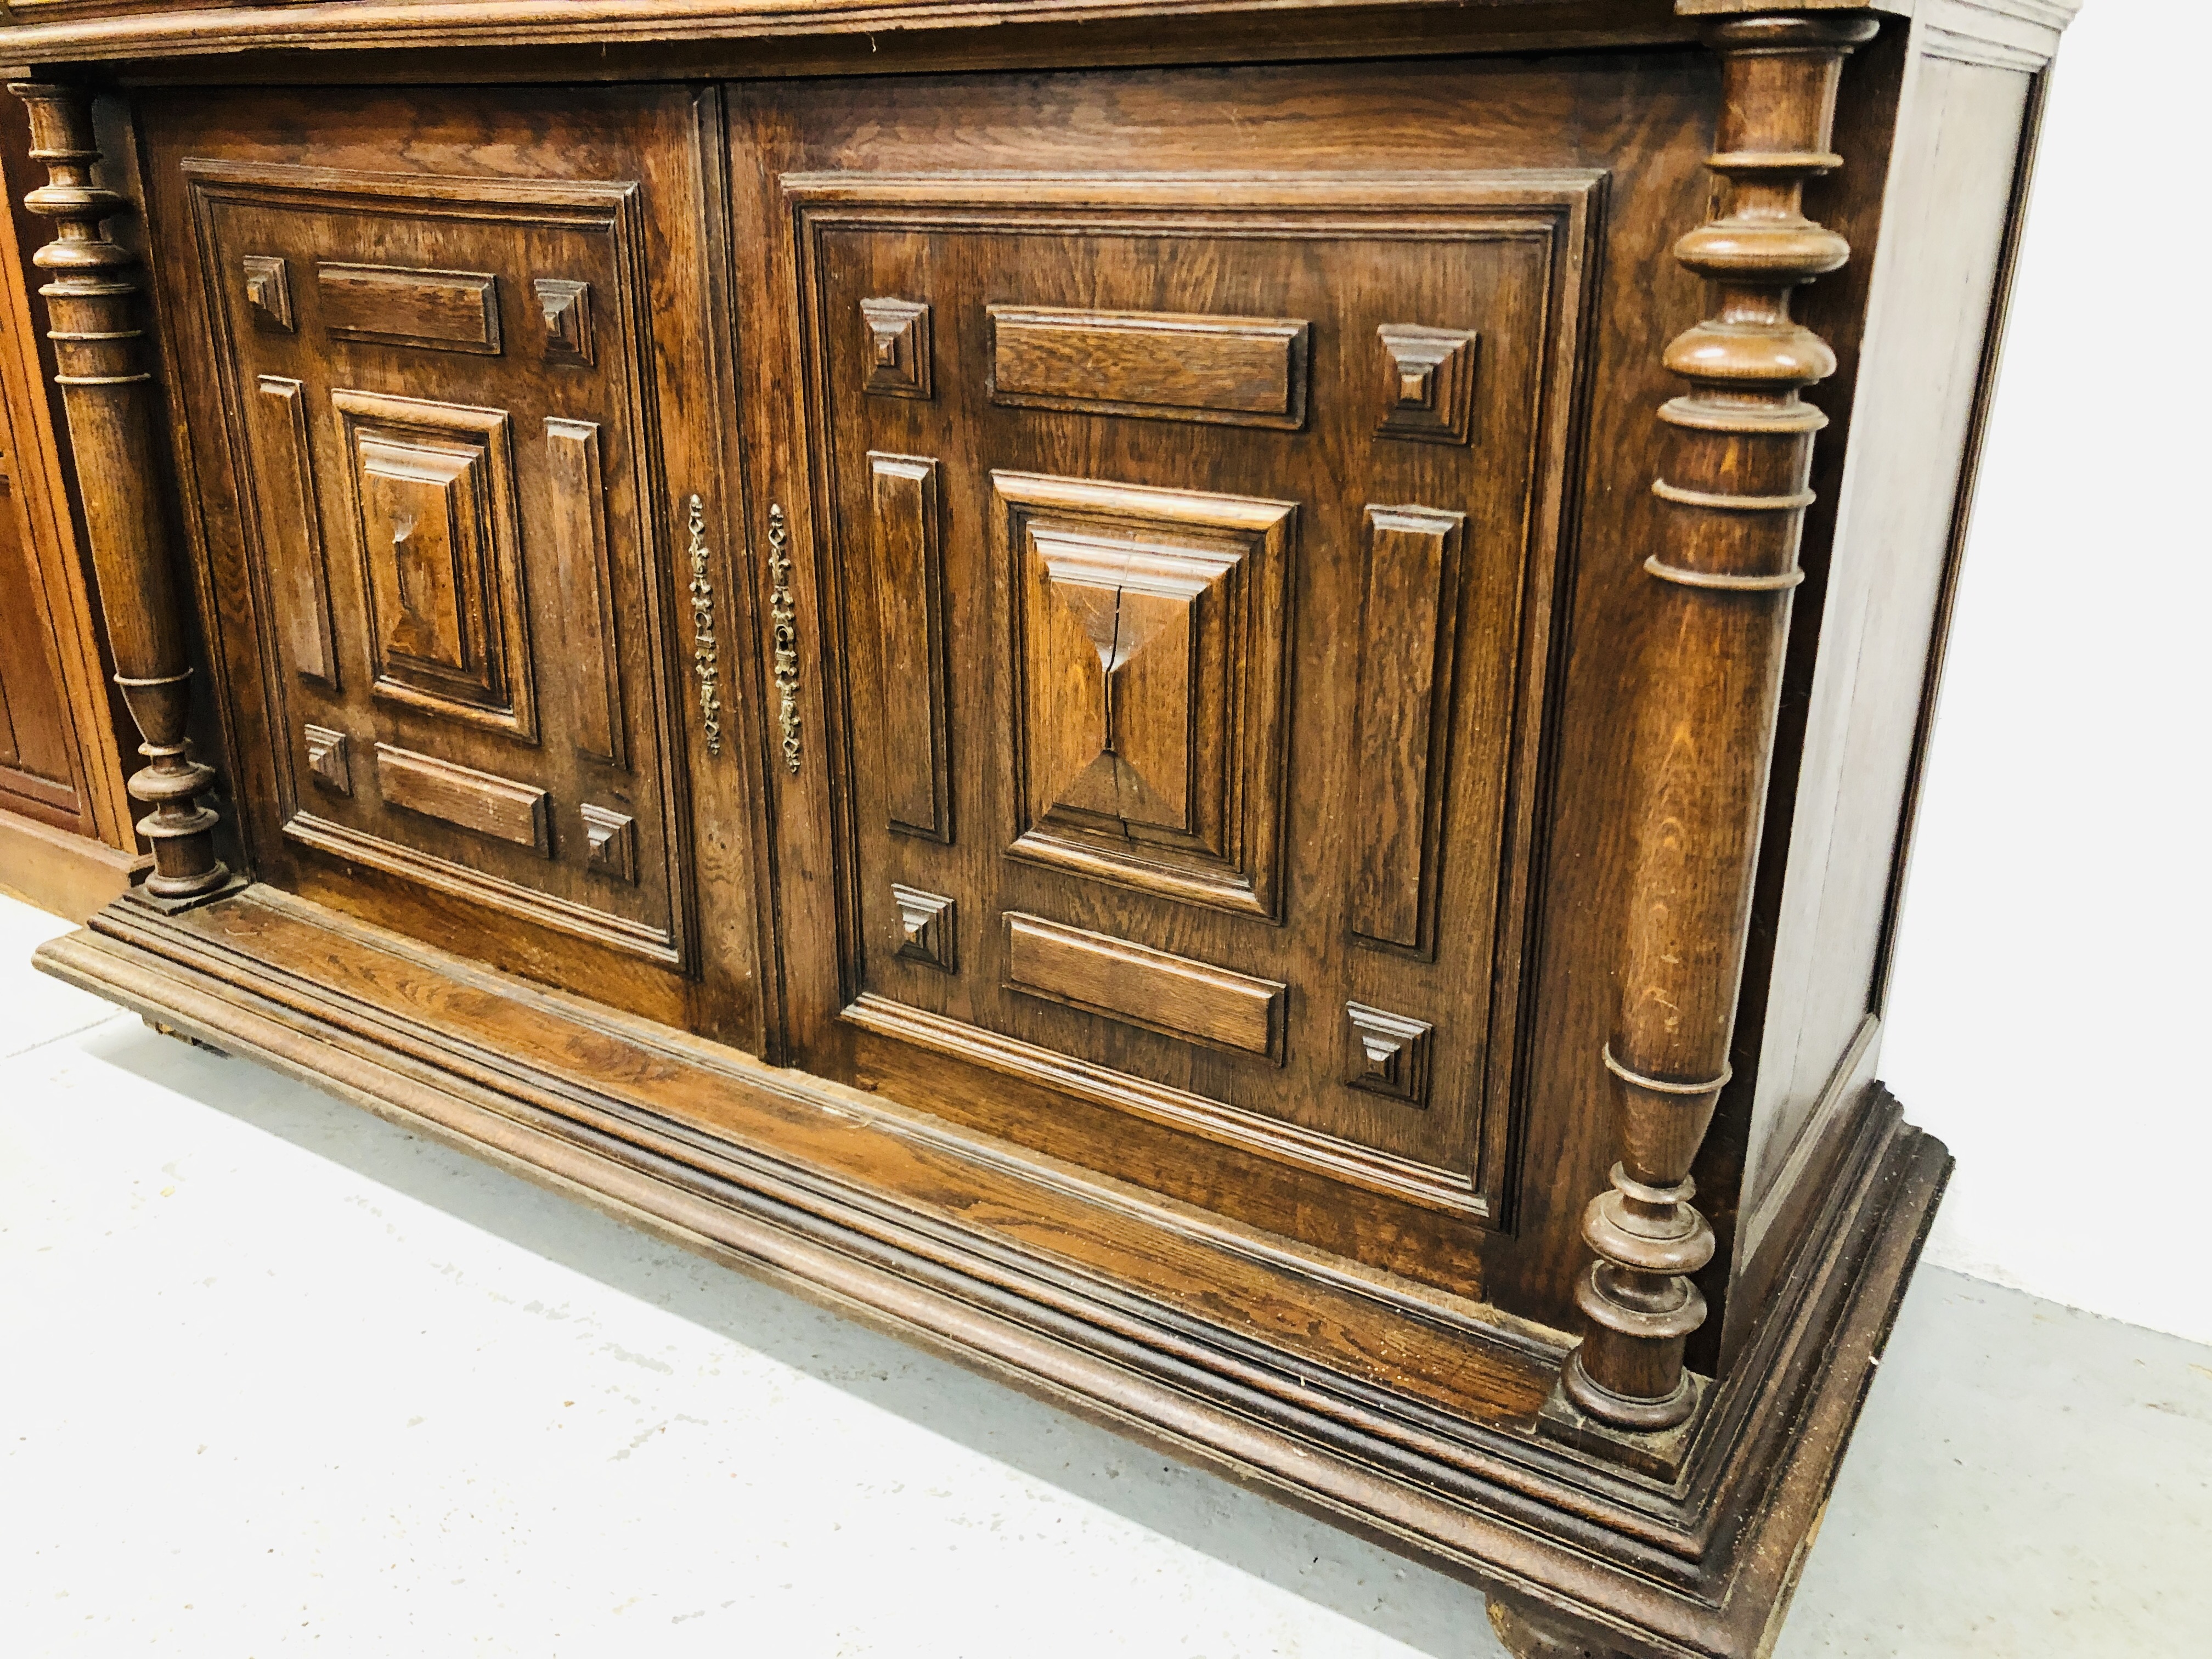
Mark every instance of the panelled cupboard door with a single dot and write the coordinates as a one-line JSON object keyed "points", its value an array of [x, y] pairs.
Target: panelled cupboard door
{"points": [[458, 369], [1176, 581]]}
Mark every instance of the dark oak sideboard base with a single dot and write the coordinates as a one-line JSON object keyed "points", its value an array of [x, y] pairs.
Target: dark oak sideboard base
{"points": [[1086, 1291], [1214, 702]]}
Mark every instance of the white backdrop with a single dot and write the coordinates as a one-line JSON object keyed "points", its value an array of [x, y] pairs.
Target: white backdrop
{"points": [[2050, 1016]]}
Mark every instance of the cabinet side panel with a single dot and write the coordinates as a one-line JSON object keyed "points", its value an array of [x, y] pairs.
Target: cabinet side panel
{"points": [[1936, 289]]}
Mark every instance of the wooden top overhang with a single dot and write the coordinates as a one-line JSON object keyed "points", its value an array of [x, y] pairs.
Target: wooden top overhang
{"points": [[66, 31]]}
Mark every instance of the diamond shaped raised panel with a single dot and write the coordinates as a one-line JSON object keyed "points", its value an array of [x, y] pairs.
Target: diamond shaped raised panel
{"points": [[1149, 658], [429, 504], [434, 492]]}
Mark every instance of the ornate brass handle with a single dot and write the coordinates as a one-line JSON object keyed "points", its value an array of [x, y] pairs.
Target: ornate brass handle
{"points": [[785, 620], [706, 654]]}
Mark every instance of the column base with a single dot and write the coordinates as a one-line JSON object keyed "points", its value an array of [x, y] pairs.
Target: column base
{"points": [[1663, 1454], [170, 904], [1527, 1634]]}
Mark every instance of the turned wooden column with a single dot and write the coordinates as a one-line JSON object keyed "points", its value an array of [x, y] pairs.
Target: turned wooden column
{"points": [[1739, 456], [92, 310]]}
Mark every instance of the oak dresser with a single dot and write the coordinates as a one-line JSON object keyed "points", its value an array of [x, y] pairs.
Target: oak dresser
{"points": [[1214, 702]]}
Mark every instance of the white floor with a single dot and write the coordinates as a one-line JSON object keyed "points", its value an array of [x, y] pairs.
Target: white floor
{"points": [[276, 1377]]}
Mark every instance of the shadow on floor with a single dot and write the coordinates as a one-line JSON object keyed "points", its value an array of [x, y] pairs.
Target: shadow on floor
{"points": [[1319, 1563]]}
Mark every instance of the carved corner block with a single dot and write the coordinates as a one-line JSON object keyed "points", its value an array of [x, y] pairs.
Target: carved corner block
{"points": [[330, 759], [927, 925], [1388, 1054], [269, 293], [898, 347], [567, 307], [1428, 384], [609, 843]]}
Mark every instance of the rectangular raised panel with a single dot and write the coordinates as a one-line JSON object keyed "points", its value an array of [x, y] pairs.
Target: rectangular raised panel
{"points": [[1148, 675], [1231, 371], [292, 526], [910, 607], [1407, 613], [1170, 994], [481, 801], [392, 305], [433, 493], [580, 549]]}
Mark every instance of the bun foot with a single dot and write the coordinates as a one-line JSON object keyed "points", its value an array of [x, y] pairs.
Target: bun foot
{"points": [[1529, 1634]]}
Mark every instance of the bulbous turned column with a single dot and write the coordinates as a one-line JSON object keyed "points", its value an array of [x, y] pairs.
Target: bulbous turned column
{"points": [[1734, 491], [108, 395]]}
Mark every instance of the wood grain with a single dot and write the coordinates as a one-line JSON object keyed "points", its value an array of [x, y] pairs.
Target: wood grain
{"points": [[910, 602], [442, 310], [292, 528], [1151, 988], [1231, 371], [581, 557], [1739, 454], [1244, 1352], [491, 806], [1408, 607]]}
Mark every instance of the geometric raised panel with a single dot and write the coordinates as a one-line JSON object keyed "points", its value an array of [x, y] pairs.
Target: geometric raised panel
{"points": [[490, 524], [1405, 649], [898, 355], [329, 758], [291, 521], [1388, 1054], [609, 843], [388, 305], [1428, 384], [1197, 699], [1148, 665], [433, 493], [910, 605], [482, 801], [1224, 371], [566, 305], [578, 503], [925, 927], [269, 292]]}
